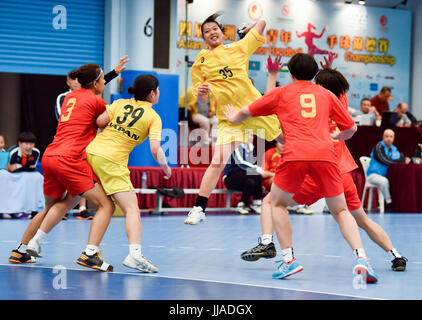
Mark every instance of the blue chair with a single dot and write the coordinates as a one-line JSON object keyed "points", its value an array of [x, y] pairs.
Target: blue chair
{"points": [[4, 159]]}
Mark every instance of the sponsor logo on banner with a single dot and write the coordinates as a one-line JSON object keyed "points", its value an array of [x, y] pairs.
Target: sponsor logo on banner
{"points": [[254, 65], [373, 86], [285, 10], [255, 10], [383, 22]]}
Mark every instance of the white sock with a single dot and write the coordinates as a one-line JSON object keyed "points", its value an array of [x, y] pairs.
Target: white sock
{"points": [[91, 249], [135, 249], [21, 248], [81, 208], [360, 253], [267, 239], [395, 253], [287, 254], [39, 236]]}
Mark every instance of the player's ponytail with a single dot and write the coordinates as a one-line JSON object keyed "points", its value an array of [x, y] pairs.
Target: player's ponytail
{"points": [[142, 86]]}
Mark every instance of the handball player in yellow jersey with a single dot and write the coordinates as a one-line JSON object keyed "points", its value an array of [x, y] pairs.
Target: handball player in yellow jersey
{"points": [[127, 123], [222, 73]]}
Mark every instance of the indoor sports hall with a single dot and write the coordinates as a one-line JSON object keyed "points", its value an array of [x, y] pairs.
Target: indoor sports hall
{"points": [[124, 175]]}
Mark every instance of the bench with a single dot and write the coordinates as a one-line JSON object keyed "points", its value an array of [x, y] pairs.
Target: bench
{"points": [[159, 200]]}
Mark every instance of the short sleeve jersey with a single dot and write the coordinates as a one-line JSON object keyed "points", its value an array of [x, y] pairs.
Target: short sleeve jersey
{"points": [[304, 110], [346, 162], [77, 126], [225, 70], [131, 122]]}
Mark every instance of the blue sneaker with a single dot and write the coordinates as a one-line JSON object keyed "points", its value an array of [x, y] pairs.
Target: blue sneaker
{"points": [[363, 268], [287, 269]]}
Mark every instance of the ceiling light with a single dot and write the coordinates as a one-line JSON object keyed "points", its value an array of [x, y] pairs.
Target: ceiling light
{"points": [[361, 2]]}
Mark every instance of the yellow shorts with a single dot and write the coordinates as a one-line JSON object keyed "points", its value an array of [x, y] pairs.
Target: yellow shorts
{"points": [[267, 128], [114, 177]]}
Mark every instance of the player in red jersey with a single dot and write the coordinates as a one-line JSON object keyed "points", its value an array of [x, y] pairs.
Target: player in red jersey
{"points": [[304, 109], [67, 174], [336, 83]]}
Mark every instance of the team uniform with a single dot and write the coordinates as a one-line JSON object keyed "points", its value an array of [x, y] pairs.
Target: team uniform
{"points": [[271, 161], [309, 192], [131, 122], [64, 162], [24, 162], [304, 109], [225, 70]]}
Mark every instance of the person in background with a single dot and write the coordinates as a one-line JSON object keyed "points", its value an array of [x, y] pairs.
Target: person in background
{"points": [[367, 108], [199, 114], [2, 143], [417, 156], [383, 155], [380, 101], [242, 174], [403, 120], [24, 156]]}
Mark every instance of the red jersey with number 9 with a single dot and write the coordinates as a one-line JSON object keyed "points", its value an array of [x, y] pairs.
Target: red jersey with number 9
{"points": [[77, 126], [304, 110]]}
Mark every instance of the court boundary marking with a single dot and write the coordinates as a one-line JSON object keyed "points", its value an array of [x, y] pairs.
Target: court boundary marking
{"points": [[193, 279]]}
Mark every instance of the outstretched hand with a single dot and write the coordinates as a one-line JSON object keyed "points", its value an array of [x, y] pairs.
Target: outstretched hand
{"points": [[121, 66], [230, 113], [274, 67]]}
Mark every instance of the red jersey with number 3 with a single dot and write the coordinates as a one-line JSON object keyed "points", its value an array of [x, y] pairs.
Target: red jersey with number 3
{"points": [[304, 110], [77, 126]]}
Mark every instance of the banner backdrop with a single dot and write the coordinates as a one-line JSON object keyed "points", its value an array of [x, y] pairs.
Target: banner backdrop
{"points": [[372, 44]]}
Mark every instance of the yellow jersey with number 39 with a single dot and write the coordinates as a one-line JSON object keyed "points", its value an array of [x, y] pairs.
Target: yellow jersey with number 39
{"points": [[131, 122], [225, 70]]}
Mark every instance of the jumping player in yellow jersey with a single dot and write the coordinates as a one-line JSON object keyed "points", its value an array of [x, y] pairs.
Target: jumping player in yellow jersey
{"points": [[127, 123], [222, 73]]}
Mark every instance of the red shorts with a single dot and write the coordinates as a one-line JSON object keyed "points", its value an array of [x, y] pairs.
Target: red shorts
{"points": [[62, 173], [309, 192], [326, 175]]}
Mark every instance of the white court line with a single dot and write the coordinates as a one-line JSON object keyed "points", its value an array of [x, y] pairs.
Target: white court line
{"points": [[216, 249], [156, 246], [328, 256], [186, 248], [194, 279]]}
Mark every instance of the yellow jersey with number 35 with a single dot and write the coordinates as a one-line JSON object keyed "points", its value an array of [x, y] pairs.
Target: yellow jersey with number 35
{"points": [[131, 122], [225, 70]]}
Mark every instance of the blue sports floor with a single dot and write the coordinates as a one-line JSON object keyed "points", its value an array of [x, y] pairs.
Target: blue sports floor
{"points": [[202, 262]]}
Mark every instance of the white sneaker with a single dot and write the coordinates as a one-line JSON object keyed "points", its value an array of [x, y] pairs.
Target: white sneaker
{"points": [[34, 248], [292, 208], [195, 215], [141, 263], [241, 208], [256, 206], [304, 210]]}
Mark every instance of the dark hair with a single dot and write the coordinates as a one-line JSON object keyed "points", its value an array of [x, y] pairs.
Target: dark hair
{"points": [[72, 74], [332, 80], [364, 99], [142, 86], [385, 89], [27, 136], [88, 74], [212, 18], [303, 66]]}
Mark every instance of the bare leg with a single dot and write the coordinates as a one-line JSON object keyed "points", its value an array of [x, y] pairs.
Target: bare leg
{"points": [[345, 220], [128, 202], [221, 155], [374, 231]]}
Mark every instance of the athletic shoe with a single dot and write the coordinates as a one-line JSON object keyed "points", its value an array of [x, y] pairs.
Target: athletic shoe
{"points": [[34, 248], [256, 206], [241, 208], [195, 215], [84, 215], [94, 262], [141, 263], [266, 251], [292, 209], [399, 264], [18, 257], [363, 268], [287, 269], [304, 209]]}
